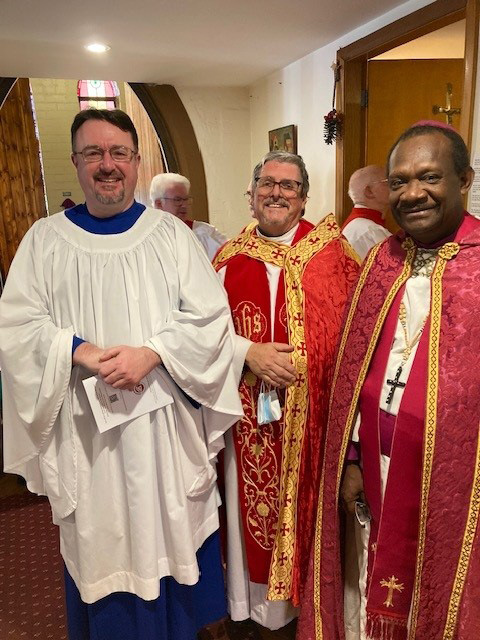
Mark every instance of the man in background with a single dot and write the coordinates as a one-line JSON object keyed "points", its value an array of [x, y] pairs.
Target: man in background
{"points": [[287, 283], [365, 226], [171, 192]]}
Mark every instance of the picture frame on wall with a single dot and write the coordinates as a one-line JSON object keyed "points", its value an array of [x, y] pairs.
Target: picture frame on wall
{"points": [[283, 139]]}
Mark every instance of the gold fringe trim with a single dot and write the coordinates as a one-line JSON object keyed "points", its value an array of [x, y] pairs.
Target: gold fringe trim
{"points": [[430, 432], [296, 407]]}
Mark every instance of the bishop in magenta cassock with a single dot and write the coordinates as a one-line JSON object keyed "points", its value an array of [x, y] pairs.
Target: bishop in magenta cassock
{"points": [[403, 448]]}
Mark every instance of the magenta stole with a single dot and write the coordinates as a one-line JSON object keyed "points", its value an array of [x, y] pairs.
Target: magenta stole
{"points": [[394, 525]]}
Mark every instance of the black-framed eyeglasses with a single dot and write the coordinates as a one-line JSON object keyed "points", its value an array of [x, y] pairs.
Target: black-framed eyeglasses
{"points": [[289, 188], [117, 153], [178, 201]]}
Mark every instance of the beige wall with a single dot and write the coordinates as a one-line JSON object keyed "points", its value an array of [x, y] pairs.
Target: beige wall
{"points": [[301, 94], [220, 117], [56, 104]]}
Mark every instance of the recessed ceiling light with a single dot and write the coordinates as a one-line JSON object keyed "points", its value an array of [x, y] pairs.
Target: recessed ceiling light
{"points": [[97, 48]]}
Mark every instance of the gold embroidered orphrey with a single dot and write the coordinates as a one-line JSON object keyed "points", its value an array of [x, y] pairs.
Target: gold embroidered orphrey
{"points": [[294, 260], [392, 585], [410, 249]]}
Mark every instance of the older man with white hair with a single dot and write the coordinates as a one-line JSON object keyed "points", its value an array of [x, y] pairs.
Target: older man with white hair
{"points": [[365, 226], [171, 192]]}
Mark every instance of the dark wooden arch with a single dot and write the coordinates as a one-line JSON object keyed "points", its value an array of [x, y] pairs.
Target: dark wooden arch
{"points": [[353, 63], [174, 129]]}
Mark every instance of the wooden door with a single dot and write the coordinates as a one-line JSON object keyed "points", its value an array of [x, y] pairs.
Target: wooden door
{"points": [[22, 195], [401, 92]]}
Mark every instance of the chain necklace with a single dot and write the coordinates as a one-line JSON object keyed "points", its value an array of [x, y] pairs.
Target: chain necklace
{"points": [[409, 345], [424, 263]]}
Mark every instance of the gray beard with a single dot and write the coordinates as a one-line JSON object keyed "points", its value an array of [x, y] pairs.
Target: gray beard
{"points": [[110, 199]]}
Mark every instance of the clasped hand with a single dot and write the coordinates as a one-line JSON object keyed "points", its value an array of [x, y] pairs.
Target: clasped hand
{"points": [[121, 367], [270, 361]]}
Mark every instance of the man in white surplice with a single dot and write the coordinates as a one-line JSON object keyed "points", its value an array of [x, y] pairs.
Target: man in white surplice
{"points": [[111, 288]]}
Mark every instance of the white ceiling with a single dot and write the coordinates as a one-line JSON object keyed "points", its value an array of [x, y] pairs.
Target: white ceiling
{"points": [[181, 42]]}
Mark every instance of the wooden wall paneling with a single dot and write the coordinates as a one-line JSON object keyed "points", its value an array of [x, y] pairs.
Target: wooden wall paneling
{"points": [[6, 208], [7, 195], [35, 189], [16, 162], [27, 144], [21, 185]]}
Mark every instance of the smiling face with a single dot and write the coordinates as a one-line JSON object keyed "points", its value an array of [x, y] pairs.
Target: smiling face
{"points": [[276, 213], [108, 186], [426, 193]]}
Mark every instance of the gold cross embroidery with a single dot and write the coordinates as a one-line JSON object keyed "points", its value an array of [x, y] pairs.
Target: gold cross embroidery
{"points": [[392, 586]]}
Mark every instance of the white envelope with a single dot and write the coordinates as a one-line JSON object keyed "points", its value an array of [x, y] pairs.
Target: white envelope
{"points": [[113, 407]]}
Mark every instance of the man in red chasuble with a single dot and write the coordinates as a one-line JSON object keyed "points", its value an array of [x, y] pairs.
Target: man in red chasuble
{"points": [[287, 283], [403, 449], [365, 226]]}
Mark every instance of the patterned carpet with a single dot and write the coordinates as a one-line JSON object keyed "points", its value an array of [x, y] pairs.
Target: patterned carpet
{"points": [[31, 576], [31, 571]]}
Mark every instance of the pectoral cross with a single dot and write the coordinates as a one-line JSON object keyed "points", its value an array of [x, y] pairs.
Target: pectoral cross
{"points": [[449, 111], [392, 586], [394, 384]]}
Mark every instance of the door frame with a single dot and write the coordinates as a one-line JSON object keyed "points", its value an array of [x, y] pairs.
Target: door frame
{"points": [[352, 61]]}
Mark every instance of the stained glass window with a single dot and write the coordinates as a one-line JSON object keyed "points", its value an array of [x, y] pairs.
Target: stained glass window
{"points": [[101, 94]]}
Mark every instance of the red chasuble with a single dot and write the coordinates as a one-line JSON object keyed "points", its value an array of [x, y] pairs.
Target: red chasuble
{"points": [[441, 503], [368, 214], [279, 463]]}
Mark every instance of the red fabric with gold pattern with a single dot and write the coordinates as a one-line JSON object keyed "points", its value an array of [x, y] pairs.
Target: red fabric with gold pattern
{"points": [[258, 448], [326, 305], [318, 270], [445, 602]]}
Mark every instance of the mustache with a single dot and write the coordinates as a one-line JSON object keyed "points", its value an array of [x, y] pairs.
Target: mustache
{"points": [[111, 174], [281, 201]]}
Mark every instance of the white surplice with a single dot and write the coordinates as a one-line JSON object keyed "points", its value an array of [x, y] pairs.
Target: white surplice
{"points": [[363, 233], [135, 503], [209, 237], [247, 599]]}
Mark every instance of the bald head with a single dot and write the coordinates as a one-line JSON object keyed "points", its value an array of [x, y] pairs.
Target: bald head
{"points": [[367, 186]]}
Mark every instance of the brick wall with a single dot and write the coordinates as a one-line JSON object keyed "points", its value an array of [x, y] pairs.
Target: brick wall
{"points": [[56, 105]]}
